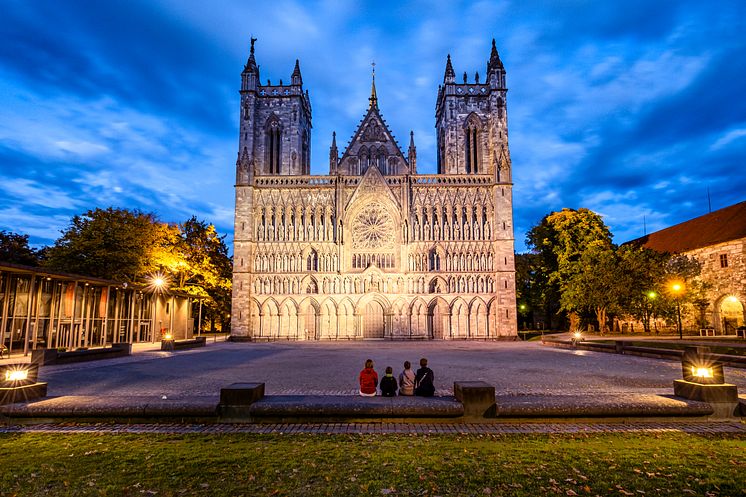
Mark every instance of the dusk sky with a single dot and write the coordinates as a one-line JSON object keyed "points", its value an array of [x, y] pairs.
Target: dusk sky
{"points": [[632, 109]]}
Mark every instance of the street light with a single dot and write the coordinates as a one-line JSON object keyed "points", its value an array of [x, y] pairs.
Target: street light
{"points": [[677, 289]]}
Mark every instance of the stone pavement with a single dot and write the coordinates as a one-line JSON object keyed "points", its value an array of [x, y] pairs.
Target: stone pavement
{"points": [[530, 380], [703, 428], [305, 368]]}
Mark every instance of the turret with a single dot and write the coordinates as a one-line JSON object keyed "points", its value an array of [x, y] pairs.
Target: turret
{"points": [[250, 74], [296, 78], [412, 155], [333, 155], [495, 70], [450, 75]]}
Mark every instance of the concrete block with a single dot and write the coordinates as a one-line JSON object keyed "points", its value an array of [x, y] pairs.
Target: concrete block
{"points": [[241, 394], [22, 393], [706, 393], [477, 397]]}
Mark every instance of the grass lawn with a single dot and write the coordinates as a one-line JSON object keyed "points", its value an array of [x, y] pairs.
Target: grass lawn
{"points": [[349, 465]]}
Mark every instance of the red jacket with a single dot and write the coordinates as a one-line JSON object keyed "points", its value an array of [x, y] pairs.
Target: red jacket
{"points": [[368, 380]]}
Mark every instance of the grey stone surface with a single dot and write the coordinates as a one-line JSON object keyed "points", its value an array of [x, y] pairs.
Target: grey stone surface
{"points": [[311, 368], [477, 397], [241, 394]]}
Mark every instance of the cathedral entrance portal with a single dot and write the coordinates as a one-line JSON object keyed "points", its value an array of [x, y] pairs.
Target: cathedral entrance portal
{"points": [[373, 324]]}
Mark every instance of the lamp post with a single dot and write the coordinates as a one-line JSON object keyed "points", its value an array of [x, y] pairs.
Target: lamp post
{"points": [[677, 289], [157, 282]]}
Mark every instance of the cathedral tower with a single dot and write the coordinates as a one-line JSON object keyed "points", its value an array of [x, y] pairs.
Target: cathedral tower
{"points": [[472, 123], [275, 128]]}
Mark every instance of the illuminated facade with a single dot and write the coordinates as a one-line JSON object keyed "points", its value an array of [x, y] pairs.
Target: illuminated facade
{"points": [[374, 249]]}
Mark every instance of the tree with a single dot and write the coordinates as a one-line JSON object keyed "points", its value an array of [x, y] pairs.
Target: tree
{"points": [[201, 266], [14, 248], [685, 271], [597, 282], [529, 281], [559, 240], [644, 298], [116, 244]]}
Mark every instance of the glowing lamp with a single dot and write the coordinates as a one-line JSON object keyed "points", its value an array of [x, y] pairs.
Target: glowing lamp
{"points": [[16, 375], [698, 366], [700, 372], [168, 336], [577, 335]]}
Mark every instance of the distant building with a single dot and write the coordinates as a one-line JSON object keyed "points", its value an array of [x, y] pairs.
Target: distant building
{"points": [[718, 241], [373, 249], [49, 309]]}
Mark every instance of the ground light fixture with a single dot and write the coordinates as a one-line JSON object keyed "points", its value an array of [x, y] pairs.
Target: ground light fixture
{"points": [[18, 383], [704, 380], [167, 342]]}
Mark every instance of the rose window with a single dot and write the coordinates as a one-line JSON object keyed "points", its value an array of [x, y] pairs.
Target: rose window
{"points": [[373, 228]]}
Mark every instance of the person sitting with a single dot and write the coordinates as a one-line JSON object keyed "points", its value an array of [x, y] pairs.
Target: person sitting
{"points": [[368, 380], [406, 380], [423, 382], [388, 383]]}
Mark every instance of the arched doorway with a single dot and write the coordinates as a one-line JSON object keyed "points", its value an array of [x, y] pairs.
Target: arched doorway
{"points": [[373, 324], [437, 319], [731, 314]]}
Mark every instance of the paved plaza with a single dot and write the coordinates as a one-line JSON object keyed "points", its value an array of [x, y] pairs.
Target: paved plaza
{"points": [[317, 368]]}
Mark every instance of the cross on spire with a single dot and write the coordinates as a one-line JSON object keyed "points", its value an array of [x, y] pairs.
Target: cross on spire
{"points": [[373, 96]]}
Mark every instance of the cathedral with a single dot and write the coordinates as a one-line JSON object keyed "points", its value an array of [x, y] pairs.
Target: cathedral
{"points": [[373, 249]]}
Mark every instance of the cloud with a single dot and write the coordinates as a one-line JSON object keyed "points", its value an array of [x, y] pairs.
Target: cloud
{"points": [[635, 109]]}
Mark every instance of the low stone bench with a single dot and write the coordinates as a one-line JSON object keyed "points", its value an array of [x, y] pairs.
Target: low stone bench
{"points": [[477, 397], [190, 343], [45, 357]]}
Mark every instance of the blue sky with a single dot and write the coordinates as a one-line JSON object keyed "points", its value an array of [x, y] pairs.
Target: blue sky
{"points": [[633, 109]]}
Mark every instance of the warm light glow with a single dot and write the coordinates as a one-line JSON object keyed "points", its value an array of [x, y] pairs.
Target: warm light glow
{"points": [[652, 295], [676, 287], [168, 336], [733, 299], [158, 282], [17, 375], [523, 307], [701, 372], [577, 335]]}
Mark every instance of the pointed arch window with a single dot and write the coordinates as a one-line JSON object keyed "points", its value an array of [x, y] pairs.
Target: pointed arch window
{"points": [[305, 156], [471, 145], [364, 155], [273, 145]]}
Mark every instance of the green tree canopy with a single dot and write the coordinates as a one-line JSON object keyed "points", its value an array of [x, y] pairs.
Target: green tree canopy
{"points": [[559, 240], [132, 246], [14, 248], [117, 244]]}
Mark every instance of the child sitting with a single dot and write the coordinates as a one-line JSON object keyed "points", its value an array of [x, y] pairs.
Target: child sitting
{"points": [[388, 383]]}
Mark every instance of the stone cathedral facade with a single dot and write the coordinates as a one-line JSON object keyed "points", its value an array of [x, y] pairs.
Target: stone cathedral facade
{"points": [[374, 249]]}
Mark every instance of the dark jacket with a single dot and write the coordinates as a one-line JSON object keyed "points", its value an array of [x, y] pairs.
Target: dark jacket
{"points": [[368, 380], [423, 382], [388, 386]]}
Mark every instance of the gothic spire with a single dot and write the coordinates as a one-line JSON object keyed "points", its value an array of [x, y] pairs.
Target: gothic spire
{"points": [[495, 62], [296, 78], [250, 66], [333, 154], [450, 75], [412, 155], [373, 96]]}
